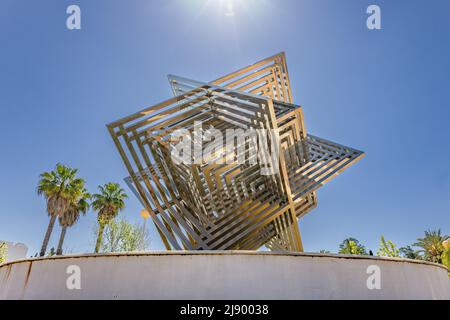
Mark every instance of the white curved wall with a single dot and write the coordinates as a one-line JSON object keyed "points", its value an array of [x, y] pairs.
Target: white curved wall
{"points": [[222, 275]]}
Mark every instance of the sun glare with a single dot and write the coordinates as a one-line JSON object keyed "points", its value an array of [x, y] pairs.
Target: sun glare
{"points": [[229, 10]]}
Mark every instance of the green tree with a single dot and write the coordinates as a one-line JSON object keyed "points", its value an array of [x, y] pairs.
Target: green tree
{"points": [[387, 249], [79, 205], [122, 236], [446, 254], [3, 252], [431, 245], [409, 253], [324, 251], [58, 187], [107, 203], [352, 246], [52, 252]]}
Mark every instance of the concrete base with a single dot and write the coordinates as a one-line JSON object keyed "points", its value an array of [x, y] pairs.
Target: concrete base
{"points": [[222, 275]]}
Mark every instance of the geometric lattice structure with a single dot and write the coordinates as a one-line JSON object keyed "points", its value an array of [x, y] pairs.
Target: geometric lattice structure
{"points": [[224, 205]]}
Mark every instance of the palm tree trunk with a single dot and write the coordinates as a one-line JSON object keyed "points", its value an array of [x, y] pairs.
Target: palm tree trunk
{"points": [[61, 240], [99, 237], [47, 236]]}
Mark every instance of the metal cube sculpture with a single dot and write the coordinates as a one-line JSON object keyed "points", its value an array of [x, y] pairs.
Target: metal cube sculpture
{"points": [[230, 205]]}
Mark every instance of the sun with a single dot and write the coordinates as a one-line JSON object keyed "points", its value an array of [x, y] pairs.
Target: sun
{"points": [[229, 8]]}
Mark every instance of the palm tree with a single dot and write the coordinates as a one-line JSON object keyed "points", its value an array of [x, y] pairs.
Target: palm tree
{"points": [[79, 205], [108, 203], [352, 246], [58, 187], [432, 245]]}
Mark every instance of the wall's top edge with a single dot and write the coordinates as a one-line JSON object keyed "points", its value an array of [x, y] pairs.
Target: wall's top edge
{"points": [[226, 252]]}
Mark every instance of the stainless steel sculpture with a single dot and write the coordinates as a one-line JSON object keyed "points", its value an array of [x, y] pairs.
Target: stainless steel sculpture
{"points": [[228, 205]]}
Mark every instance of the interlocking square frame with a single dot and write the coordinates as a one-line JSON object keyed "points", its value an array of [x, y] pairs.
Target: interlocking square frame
{"points": [[228, 206]]}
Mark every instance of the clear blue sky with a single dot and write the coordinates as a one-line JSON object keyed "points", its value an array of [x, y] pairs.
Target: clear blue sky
{"points": [[385, 92]]}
